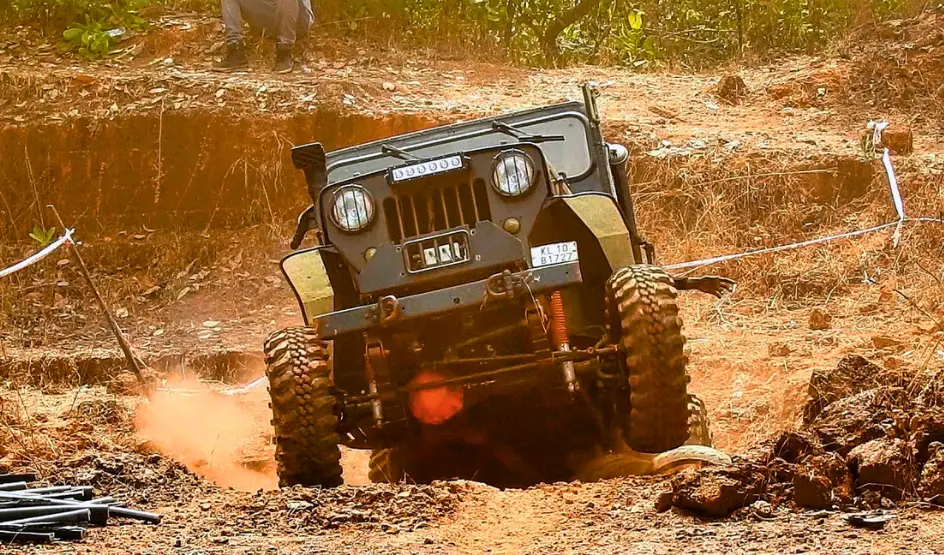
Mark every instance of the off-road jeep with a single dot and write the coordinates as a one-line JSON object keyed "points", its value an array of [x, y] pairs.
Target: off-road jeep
{"points": [[479, 304]]}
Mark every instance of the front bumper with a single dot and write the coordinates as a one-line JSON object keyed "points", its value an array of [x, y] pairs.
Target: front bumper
{"points": [[392, 311]]}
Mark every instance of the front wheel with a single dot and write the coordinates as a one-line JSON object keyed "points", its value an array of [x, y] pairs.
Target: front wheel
{"points": [[645, 315], [303, 409]]}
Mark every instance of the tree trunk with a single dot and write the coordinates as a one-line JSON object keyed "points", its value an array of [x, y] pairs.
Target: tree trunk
{"points": [[740, 27], [510, 23], [552, 52]]}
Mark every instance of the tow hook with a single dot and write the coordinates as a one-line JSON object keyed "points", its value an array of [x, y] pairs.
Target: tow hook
{"points": [[388, 310], [503, 286]]}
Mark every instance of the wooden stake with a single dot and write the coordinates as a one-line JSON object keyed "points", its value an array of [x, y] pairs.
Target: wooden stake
{"points": [[134, 363]]}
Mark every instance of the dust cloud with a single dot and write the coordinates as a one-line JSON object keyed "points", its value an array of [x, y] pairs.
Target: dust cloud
{"points": [[222, 438]]}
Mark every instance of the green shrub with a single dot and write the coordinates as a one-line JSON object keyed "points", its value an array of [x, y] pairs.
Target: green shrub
{"points": [[692, 33]]}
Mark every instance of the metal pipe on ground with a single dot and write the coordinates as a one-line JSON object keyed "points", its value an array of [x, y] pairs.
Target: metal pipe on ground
{"points": [[25, 500], [113, 509], [26, 537], [19, 497], [86, 491], [72, 516], [98, 514], [13, 486], [79, 496], [9, 478], [142, 516], [61, 532]]}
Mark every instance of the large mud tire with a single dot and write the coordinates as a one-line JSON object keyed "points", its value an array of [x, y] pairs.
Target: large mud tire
{"points": [[643, 300], [699, 426], [303, 409]]}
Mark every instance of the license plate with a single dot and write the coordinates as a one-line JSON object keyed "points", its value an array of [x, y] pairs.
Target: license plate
{"points": [[555, 253]]}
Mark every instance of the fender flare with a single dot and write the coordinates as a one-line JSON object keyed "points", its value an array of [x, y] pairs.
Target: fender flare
{"points": [[307, 274], [602, 217]]}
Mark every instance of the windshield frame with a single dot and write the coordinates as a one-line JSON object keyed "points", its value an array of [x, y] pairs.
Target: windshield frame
{"points": [[467, 130]]}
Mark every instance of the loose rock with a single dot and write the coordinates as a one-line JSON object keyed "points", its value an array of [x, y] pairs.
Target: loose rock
{"points": [[863, 417], [778, 349], [822, 482], [732, 89], [926, 429], [898, 139], [885, 342], [716, 492], [794, 447], [820, 319], [883, 465], [664, 501], [931, 485]]}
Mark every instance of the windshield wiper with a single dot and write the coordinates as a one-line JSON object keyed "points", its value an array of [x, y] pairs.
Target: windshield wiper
{"points": [[398, 152], [524, 135]]}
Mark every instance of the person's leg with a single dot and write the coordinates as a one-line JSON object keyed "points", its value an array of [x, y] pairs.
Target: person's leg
{"points": [[235, 58], [232, 21], [306, 18], [287, 15]]}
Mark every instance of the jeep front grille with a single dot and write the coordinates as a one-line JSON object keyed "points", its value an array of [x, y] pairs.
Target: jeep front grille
{"points": [[436, 251], [423, 210]]}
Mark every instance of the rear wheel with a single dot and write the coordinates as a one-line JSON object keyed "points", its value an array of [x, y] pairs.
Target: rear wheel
{"points": [[642, 299], [699, 427], [386, 466], [303, 409]]}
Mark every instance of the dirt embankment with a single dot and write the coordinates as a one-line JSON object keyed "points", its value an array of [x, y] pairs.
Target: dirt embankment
{"points": [[870, 439]]}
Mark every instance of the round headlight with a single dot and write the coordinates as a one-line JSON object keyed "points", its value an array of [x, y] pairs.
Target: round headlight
{"points": [[352, 208], [513, 174]]}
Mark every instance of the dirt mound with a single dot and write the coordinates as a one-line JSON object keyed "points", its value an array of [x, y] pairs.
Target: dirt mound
{"points": [[867, 442], [877, 74], [863, 417], [146, 478]]}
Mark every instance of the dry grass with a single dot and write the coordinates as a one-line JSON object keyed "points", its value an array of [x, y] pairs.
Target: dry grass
{"points": [[708, 205], [50, 302]]}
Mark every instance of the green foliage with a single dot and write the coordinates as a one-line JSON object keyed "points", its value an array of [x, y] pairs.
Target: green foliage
{"points": [[58, 14], [42, 236], [90, 40], [693, 33], [690, 33]]}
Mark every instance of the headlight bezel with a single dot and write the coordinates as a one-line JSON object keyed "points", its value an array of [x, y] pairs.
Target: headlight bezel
{"points": [[531, 168], [336, 206]]}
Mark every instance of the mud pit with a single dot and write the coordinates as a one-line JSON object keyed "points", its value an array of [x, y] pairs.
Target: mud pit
{"points": [[190, 213]]}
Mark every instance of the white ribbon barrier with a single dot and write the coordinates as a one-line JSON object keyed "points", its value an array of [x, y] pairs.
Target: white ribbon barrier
{"points": [[49, 249], [780, 248], [249, 387], [877, 129]]}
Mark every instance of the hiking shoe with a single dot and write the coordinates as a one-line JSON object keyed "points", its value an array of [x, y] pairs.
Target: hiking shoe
{"points": [[283, 59], [235, 59]]}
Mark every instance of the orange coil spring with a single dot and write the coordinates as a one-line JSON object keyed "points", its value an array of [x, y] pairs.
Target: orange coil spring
{"points": [[558, 322]]}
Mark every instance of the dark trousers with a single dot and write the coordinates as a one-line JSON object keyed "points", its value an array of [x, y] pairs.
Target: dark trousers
{"points": [[284, 19]]}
